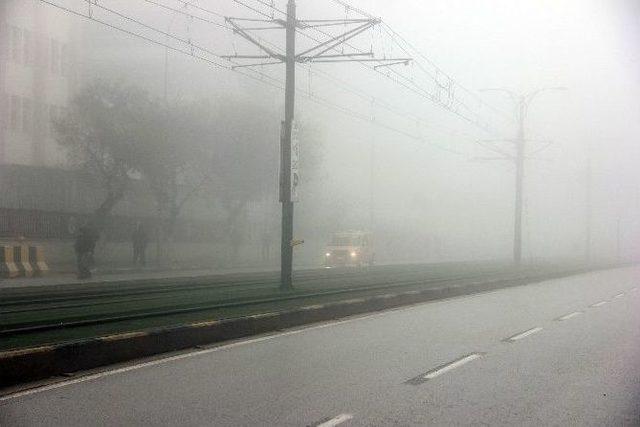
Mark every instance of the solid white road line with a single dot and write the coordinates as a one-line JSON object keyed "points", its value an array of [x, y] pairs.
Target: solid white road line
{"points": [[164, 360], [618, 296], [570, 315], [450, 366], [336, 420], [599, 304], [524, 334]]}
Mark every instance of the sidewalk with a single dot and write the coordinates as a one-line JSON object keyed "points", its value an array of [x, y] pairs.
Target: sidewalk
{"points": [[123, 274]]}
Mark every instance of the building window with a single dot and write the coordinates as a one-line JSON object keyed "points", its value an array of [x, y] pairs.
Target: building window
{"points": [[16, 45], [15, 113]]}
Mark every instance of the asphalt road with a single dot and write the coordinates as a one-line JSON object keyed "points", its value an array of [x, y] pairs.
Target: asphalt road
{"points": [[562, 352]]}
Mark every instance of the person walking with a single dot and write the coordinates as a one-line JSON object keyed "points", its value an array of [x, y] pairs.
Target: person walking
{"points": [[140, 240]]}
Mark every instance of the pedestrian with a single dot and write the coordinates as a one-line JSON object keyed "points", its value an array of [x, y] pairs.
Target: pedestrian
{"points": [[84, 247], [140, 240]]}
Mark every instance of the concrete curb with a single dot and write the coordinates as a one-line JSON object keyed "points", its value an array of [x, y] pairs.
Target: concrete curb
{"points": [[31, 364]]}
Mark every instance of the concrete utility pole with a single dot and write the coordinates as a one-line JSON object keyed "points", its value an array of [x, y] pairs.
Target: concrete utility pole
{"points": [[520, 153], [286, 247], [588, 211], [372, 165], [319, 53], [522, 103]]}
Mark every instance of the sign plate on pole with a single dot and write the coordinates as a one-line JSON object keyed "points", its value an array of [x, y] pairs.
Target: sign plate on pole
{"points": [[295, 161], [283, 195]]}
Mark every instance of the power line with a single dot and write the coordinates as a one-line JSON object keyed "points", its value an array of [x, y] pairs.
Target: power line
{"points": [[401, 80], [390, 30], [429, 61], [134, 34], [142, 24], [259, 12], [270, 81], [181, 12], [325, 75]]}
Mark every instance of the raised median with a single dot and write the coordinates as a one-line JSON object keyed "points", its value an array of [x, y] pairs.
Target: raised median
{"points": [[57, 330]]}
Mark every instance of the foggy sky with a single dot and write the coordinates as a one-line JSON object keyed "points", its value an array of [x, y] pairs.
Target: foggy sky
{"points": [[588, 46]]}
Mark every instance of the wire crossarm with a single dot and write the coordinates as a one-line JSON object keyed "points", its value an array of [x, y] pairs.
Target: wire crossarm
{"points": [[318, 53]]}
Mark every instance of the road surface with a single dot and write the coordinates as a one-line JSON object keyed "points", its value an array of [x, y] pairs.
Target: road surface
{"points": [[562, 352]]}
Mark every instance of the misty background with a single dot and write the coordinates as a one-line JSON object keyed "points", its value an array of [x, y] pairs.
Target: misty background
{"points": [[390, 160]]}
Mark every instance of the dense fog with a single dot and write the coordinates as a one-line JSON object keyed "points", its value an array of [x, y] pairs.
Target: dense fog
{"points": [[418, 153]]}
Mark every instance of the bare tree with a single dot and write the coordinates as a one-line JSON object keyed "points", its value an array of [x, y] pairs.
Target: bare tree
{"points": [[245, 163], [176, 162], [100, 133]]}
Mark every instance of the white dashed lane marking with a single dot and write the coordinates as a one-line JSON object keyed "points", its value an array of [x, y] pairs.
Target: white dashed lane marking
{"points": [[442, 369], [524, 334], [618, 296], [599, 304], [451, 366], [335, 420], [569, 316]]}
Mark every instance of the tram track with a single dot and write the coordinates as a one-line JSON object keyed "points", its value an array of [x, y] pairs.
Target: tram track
{"points": [[70, 313], [81, 321], [180, 285]]}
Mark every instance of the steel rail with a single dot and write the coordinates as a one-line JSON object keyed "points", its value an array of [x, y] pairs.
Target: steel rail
{"points": [[33, 307], [78, 321], [212, 282]]}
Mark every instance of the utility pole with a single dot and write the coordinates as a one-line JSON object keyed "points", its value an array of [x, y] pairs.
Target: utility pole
{"points": [[372, 164], [286, 247], [318, 53], [588, 211], [522, 103], [520, 153]]}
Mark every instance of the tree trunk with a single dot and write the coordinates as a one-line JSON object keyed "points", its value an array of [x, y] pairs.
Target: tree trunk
{"points": [[99, 217]]}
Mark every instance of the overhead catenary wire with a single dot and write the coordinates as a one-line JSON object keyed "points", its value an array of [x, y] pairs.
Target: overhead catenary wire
{"points": [[263, 78], [409, 84], [190, 15], [157, 30], [404, 82], [131, 33], [325, 75], [418, 52]]}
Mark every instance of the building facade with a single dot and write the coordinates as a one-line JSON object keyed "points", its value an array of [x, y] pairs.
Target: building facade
{"points": [[38, 73]]}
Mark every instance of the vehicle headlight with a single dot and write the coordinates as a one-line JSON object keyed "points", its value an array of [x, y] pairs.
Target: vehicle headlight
{"points": [[354, 254], [328, 254]]}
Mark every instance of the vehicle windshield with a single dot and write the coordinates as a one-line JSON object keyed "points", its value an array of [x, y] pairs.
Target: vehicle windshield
{"points": [[344, 241]]}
